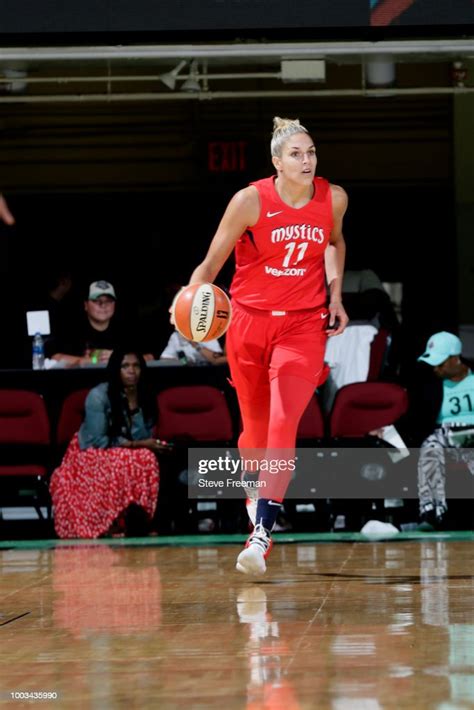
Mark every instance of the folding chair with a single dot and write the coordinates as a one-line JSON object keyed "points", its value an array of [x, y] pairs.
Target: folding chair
{"points": [[24, 450], [311, 426], [194, 413], [197, 416], [358, 409], [361, 407], [70, 419], [308, 514], [378, 353]]}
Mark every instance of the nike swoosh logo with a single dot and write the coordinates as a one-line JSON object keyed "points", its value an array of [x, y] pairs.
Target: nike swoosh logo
{"points": [[270, 502], [324, 315], [273, 214]]}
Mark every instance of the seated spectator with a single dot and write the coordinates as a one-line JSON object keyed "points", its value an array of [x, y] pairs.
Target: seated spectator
{"points": [[369, 308], [111, 462], [54, 297], [91, 339], [58, 289], [365, 298], [189, 352], [367, 303], [441, 408]]}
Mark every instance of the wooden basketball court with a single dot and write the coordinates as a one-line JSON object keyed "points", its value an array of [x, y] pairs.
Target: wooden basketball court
{"points": [[345, 625]]}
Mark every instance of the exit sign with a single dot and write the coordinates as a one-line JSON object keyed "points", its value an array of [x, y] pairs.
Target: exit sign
{"points": [[227, 156]]}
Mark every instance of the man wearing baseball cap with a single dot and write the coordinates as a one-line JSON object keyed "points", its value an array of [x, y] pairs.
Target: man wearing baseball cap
{"points": [[101, 288], [440, 347], [91, 339], [454, 420]]}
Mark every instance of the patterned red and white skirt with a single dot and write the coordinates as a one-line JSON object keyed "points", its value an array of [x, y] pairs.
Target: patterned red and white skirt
{"points": [[92, 487]]}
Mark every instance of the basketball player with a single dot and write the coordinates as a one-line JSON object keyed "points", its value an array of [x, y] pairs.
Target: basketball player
{"points": [[5, 214], [287, 234]]}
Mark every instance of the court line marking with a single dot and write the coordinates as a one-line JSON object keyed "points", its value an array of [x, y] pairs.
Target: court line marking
{"points": [[36, 583], [15, 618], [318, 610]]}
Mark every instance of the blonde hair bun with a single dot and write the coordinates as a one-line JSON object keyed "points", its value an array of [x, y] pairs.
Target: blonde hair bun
{"points": [[281, 124], [283, 128]]}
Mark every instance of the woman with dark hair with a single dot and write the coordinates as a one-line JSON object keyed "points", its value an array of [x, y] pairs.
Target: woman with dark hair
{"points": [[110, 463]]}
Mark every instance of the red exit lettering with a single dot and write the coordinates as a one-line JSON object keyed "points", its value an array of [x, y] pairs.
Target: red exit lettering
{"points": [[227, 156]]}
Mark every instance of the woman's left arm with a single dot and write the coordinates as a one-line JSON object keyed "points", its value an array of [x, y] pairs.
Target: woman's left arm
{"points": [[334, 263]]}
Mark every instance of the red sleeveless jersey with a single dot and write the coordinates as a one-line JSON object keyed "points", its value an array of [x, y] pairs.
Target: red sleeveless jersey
{"points": [[280, 260]]}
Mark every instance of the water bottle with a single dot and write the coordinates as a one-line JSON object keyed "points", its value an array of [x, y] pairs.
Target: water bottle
{"points": [[38, 352]]}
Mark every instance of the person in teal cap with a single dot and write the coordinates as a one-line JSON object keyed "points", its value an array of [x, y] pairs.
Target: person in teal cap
{"points": [[454, 426]]}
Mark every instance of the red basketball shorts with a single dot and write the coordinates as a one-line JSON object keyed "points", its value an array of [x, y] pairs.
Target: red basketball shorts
{"points": [[262, 345]]}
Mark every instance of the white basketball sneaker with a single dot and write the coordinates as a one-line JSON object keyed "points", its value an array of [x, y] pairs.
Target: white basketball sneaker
{"points": [[252, 498], [251, 504], [257, 548]]}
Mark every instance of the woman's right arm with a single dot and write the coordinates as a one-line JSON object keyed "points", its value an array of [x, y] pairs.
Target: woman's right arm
{"points": [[94, 429], [242, 211]]}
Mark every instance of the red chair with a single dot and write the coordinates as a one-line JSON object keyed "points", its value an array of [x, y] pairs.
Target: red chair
{"points": [[24, 446], [364, 406], [311, 424], [311, 431], [378, 352], [193, 413], [358, 409], [189, 415], [71, 417]]}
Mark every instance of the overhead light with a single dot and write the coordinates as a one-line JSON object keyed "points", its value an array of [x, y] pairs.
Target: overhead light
{"points": [[169, 79], [459, 74], [380, 71], [299, 70], [16, 84], [192, 82]]}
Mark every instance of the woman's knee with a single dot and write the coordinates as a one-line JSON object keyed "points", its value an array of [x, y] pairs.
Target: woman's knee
{"points": [[252, 439]]}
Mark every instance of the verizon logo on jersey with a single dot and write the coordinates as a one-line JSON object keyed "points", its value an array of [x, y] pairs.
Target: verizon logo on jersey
{"points": [[288, 271], [298, 231]]}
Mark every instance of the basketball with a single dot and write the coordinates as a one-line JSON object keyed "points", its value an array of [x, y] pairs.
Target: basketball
{"points": [[201, 312]]}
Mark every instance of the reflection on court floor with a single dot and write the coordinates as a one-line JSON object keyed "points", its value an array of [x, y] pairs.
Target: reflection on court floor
{"points": [[346, 626]]}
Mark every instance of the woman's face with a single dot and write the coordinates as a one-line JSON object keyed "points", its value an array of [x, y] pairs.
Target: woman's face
{"points": [[130, 370], [298, 159]]}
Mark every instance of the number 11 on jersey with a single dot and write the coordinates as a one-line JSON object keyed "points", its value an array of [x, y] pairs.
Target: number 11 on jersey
{"points": [[290, 249]]}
